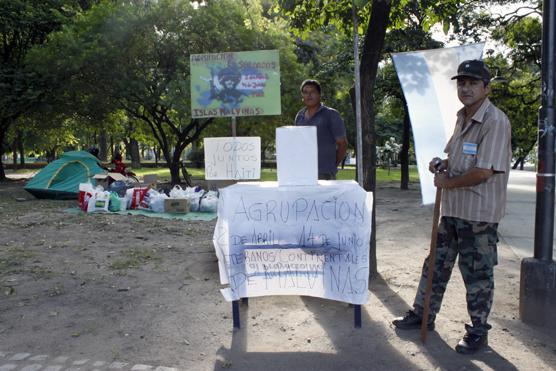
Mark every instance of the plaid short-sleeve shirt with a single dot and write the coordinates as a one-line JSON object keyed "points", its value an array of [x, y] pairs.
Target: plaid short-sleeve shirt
{"points": [[483, 143]]}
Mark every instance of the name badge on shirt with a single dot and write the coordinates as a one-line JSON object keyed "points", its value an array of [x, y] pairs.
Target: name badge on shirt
{"points": [[469, 148]]}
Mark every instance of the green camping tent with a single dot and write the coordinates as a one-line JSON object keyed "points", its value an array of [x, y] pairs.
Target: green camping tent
{"points": [[60, 179]]}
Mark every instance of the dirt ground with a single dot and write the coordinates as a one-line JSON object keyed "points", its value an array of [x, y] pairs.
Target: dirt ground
{"points": [[146, 291]]}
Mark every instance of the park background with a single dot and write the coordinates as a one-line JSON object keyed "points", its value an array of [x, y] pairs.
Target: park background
{"points": [[115, 74]]}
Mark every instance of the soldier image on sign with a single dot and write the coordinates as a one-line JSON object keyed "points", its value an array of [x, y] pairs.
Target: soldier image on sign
{"points": [[227, 90], [474, 178]]}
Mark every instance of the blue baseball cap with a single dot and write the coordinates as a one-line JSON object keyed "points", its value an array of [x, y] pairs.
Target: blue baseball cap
{"points": [[473, 68]]}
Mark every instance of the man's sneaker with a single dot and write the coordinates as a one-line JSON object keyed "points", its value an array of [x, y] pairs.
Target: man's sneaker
{"points": [[471, 343], [411, 321]]}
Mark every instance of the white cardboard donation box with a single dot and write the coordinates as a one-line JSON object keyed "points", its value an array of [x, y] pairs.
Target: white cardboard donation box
{"points": [[296, 155]]}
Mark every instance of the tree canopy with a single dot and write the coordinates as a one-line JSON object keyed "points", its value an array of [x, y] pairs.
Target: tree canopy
{"points": [[515, 27], [24, 24], [121, 56], [94, 71]]}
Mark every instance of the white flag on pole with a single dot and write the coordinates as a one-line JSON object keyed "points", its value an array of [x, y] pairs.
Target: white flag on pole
{"points": [[432, 102]]}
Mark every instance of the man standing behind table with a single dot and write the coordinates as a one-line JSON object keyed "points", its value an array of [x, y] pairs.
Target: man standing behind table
{"points": [[474, 179], [331, 132]]}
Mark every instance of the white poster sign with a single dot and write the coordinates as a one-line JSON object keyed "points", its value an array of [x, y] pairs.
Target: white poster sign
{"points": [[297, 155], [232, 158], [288, 240], [432, 101]]}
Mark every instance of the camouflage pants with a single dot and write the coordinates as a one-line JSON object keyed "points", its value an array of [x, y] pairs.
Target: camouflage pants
{"points": [[475, 243]]}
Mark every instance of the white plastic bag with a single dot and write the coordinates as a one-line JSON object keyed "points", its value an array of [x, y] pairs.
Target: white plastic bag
{"points": [[156, 201], [123, 203], [85, 192], [136, 198], [209, 202], [128, 197], [146, 201], [194, 198], [98, 202], [177, 192]]}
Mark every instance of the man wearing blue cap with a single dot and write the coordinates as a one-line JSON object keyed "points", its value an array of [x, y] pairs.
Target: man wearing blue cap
{"points": [[474, 178]]}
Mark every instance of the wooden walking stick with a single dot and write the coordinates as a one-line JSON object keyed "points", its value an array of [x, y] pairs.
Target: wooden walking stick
{"points": [[432, 258]]}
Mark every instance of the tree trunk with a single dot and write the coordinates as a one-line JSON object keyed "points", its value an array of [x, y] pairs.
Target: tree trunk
{"points": [[112, 147], [2, 171], [353, 107], [20, 149], [156, 152], [182, 136], [102, 145], [404, 153], [194, 146], [174, 167], [51, 155], [165, 147], [127, 146], [134, 153], [174, 172], [371, 55], [14, 154], [3, 131]]}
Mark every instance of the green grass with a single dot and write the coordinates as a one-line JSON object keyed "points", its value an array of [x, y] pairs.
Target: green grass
{"points": [[21, 171], [164, 173], [382, 175]]}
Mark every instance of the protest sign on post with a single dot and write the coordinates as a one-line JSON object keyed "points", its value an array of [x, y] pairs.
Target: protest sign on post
{"points": [[232, 158], [290, 240], [234, 84]]}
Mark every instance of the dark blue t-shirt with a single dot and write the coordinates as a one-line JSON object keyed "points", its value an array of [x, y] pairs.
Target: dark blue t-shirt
{"points": [[330, 127]]}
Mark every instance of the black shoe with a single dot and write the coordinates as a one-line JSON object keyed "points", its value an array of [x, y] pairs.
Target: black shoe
{"points": [[411, 321], [471, 343]]}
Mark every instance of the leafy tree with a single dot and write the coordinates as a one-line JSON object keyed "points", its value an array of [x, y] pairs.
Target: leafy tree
{"points": [[376, 18], [292, 74], [478, 20], [520, 102], [23, 24], [40, 138], [130, 132], [518, 33], [518, 99], [136, 58]]}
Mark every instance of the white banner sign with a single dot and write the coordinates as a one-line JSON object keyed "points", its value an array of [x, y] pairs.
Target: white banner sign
{"points": [[432, 102], [289, 240], [232, 158]]}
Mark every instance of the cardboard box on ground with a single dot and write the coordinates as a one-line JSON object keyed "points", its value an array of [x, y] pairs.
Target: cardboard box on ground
{"points": [[150, 180], [106, 179], [176, 205]]}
